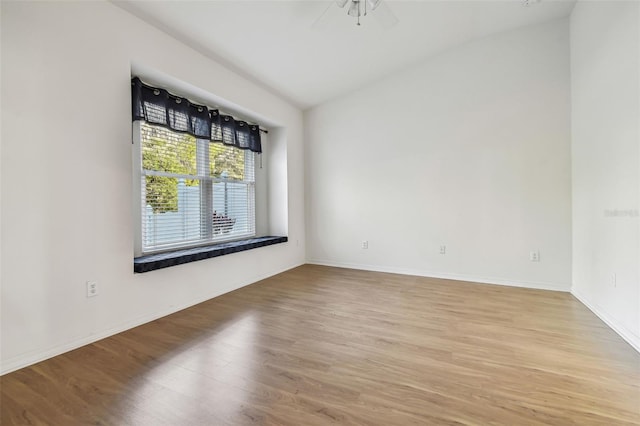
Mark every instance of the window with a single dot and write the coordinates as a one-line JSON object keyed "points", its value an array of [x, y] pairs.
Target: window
{"points": [[194, 181], [192, 191]]}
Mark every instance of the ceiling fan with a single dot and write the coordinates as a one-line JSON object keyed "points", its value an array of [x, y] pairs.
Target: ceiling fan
{"points": [[357, 9]]}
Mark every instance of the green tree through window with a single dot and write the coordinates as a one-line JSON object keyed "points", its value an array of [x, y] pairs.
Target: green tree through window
{"points": [[175, 153]]}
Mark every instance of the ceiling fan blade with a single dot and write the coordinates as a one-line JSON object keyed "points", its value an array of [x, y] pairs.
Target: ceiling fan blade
{"points": [[384, 15], [323, 20], [341, 3]]}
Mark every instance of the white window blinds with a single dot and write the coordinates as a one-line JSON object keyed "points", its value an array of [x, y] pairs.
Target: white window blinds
{"points": [[193, 191]]}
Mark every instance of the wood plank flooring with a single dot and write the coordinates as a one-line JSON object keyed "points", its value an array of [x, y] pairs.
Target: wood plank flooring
{"points": [[318, 345]]}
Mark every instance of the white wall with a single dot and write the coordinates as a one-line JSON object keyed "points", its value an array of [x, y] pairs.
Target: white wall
{"points": [[66, 178], [605, 92], [470, 149]]}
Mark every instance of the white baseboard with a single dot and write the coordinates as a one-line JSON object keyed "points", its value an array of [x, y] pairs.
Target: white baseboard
{"points": [[24, 360], [447, 276], [628, 335]]}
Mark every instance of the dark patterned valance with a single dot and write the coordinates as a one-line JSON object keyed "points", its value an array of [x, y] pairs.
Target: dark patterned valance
{"points": [[157, 106]]}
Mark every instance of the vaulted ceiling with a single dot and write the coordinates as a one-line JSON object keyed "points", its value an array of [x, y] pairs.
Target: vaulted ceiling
{"points": [[277, 44]]}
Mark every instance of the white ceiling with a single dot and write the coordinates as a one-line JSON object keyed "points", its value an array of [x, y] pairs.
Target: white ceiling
{"points": [[275, 42]]}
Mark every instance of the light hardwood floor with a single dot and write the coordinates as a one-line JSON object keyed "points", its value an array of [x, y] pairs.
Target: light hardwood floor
{"points": [[318, 345]]}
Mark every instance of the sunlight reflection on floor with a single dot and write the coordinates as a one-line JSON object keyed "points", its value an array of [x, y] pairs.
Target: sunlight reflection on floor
{"points": [[201, 382]]}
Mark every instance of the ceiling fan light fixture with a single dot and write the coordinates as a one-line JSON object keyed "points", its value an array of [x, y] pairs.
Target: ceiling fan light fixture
{"points": [[354, 8], [373, 4], [361, 8]]}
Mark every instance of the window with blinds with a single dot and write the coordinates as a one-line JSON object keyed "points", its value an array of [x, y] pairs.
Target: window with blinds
{"points": [[193, 191]]}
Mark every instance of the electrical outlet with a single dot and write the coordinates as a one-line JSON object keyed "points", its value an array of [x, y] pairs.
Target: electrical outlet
{"points": [[92, 288], [443, 249], [365, 245], [534, 256]]}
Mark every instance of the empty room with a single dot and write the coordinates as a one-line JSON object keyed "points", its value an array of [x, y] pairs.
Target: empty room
{"points": [[358, 212]]}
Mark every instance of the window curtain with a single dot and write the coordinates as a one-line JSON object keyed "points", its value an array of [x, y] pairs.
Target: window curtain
{"points": [[159, 107]]}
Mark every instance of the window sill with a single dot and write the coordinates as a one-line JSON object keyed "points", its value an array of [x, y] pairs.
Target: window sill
{"points": [[178, 257]]}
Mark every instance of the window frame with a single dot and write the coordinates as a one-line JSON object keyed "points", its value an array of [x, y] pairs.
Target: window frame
{"points": [[202, 163]]}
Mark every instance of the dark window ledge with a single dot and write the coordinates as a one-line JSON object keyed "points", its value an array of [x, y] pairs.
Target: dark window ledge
{"points": [[178, 257]]}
